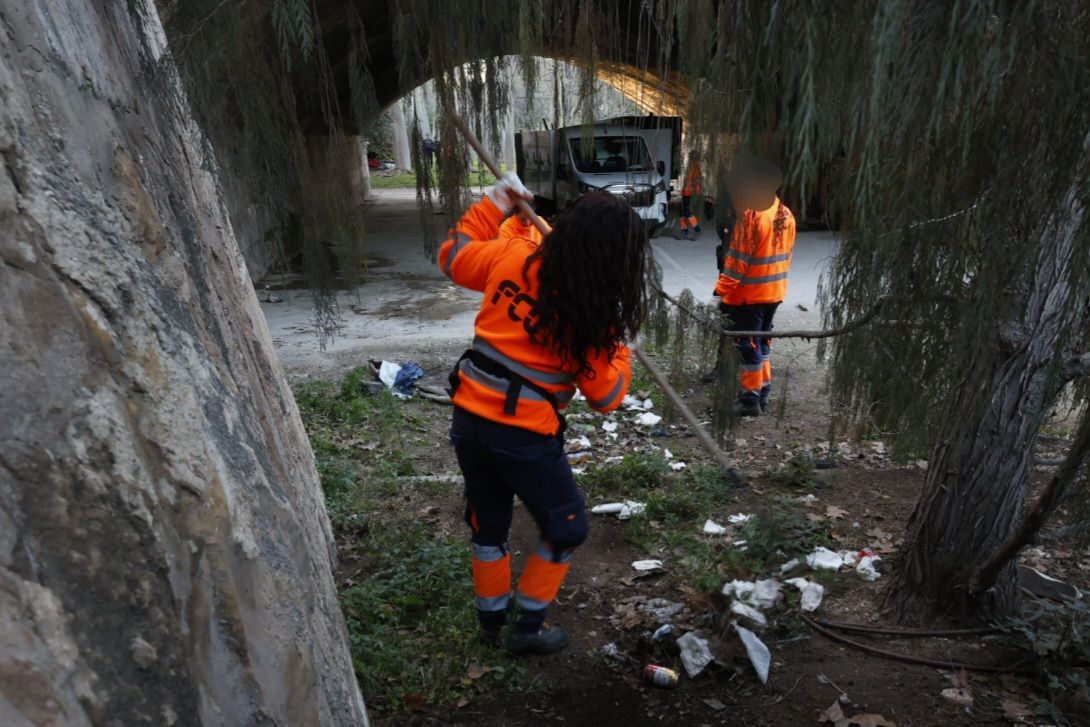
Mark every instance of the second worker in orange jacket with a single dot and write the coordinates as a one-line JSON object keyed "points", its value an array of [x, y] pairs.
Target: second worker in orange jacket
{"points": [[753, 280]]}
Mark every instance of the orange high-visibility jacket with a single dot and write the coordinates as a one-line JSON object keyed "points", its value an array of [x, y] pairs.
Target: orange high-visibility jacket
{"points": [[474, 258], [513, 226], [694, 180], [755, 267]]}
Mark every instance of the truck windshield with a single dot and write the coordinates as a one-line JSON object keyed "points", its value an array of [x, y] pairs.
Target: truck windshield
{"points": [[610, 154]]}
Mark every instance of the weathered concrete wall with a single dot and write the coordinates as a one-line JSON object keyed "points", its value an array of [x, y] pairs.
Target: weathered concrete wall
{"points": [[164, 550]]}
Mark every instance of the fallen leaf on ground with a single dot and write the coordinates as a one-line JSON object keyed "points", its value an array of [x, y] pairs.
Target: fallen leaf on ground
{"points": [[835, 512], [462, 701], [1016, 711], [476, 671], [814, 517], [715, 704], [413, 702], [835, 715], [958, 695]]}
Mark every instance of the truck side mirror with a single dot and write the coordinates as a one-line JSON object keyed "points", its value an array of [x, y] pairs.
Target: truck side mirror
{"points": [[561, 171], [661, 168]]}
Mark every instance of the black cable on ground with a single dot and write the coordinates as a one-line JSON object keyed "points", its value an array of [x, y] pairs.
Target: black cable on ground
{"points": [[908, 659], [906, 633]]}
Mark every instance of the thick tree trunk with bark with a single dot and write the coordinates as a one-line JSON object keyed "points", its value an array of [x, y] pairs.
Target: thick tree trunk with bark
{"points": [[977, 480], [164, 549]]}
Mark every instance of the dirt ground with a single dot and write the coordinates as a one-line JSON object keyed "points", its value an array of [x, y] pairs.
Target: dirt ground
{"points": [[864, 502]]}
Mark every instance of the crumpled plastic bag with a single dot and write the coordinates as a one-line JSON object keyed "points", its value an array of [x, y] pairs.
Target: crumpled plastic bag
{"points": [[824, 559], [868, 568]]}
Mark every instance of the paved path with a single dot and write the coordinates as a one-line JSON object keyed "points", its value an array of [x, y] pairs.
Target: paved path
{"points": [[405, 305]]}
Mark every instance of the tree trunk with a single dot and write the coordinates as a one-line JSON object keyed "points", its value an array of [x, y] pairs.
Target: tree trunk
{"points": [[164, 549], [403, 158], [978, 474]]}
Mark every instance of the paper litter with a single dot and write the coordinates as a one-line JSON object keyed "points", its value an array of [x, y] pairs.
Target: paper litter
{"points": [[749, 612], [812, 593], [758, 653], [713, 528], [696, 653]]}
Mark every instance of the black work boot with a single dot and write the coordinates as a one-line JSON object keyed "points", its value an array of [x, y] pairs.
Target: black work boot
{"points": [[546, 640], [492, 638], [747, 410]]}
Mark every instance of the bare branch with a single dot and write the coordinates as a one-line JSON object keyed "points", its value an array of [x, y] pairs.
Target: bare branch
{"points": [[846, 328]]}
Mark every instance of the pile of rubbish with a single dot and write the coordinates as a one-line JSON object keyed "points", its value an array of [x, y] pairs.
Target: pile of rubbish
{"points": [[404, 380], [625, 430]]}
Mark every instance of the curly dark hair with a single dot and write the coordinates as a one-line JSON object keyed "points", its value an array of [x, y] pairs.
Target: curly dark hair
{"points": [[591, 289]]}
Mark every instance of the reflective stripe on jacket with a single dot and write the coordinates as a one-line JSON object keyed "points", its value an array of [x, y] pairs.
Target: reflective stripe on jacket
{"points": [[477, 258], [755, 267]]}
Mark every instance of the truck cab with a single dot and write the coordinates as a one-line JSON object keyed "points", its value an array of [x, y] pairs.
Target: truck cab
{"points": [[560, 165]]}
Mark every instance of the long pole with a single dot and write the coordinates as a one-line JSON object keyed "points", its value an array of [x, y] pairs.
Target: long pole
{"points": [[702, 435]]}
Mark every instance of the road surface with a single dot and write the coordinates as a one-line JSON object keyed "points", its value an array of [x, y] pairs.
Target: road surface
{"points": [[406, 306]]}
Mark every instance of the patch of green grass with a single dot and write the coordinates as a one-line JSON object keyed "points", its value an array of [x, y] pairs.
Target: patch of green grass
{"points": [[478, 177], [411, 621], [412, 625], [634, 477], [775, 535], [799, 472]]}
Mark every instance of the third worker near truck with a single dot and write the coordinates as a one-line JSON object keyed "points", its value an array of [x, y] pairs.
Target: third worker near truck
{"points": [[753, 279]]}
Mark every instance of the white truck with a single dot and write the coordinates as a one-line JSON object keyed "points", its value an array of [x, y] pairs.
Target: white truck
{"points": [[632, 157]]}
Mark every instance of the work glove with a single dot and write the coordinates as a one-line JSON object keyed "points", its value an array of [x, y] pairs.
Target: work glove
{"points": [[507, 191]]}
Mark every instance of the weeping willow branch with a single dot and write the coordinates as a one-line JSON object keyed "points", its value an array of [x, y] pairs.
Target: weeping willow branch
{"points": [[984, 575], [718, 327]]}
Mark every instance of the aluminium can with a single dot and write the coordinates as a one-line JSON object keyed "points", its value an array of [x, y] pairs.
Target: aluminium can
{"points": [[660, 676]]}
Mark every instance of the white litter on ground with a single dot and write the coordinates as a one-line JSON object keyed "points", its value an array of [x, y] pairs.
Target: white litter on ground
{"points": [[678, 466], [758, 653], [623, 510], [609, 426], [713, 528], [812, 593], [696, 654], [824, 559], [645, 565], [387, 373], [789, 566], [739, 518], [765, 593], [648, 419], [868, 568], [749, 612]]}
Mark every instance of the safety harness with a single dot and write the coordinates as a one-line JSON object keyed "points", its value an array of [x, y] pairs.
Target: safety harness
{"points": [[515, 384]]}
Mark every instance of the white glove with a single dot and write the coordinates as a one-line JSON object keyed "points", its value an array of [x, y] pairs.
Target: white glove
{"points": [[507, 191]]}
